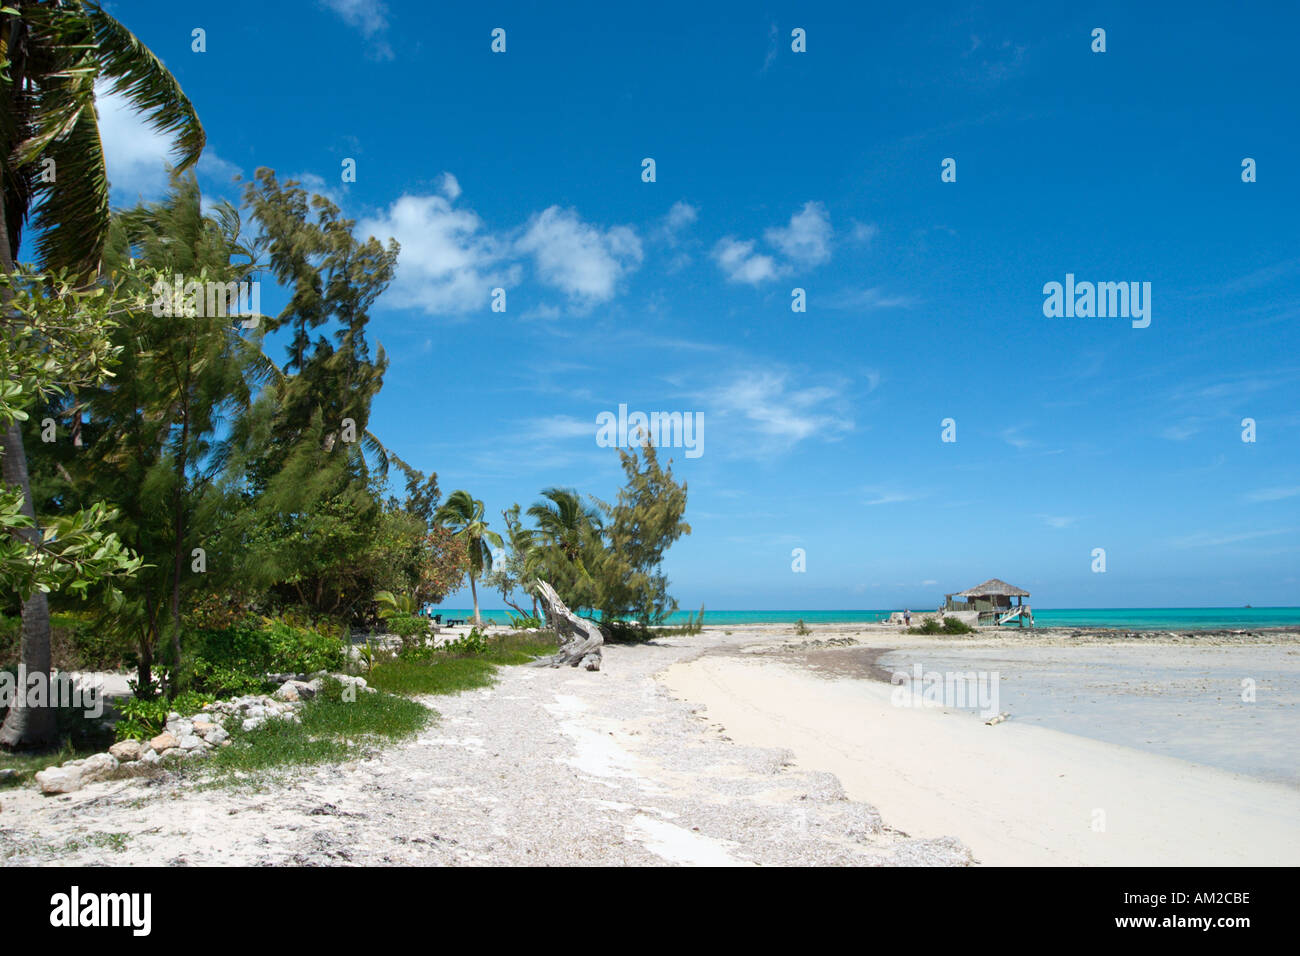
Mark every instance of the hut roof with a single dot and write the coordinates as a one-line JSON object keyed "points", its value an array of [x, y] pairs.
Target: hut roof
{"points": [[994, 586]]}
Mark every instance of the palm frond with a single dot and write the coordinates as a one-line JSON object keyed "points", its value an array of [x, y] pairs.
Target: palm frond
{"points": [[142, 78]]}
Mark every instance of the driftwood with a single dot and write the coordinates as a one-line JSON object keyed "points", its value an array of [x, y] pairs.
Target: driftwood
{"points": [[580, 639]]}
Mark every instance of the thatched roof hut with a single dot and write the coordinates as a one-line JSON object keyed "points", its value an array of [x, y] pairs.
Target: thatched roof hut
{"points": [[993, 601], [993, 587]]}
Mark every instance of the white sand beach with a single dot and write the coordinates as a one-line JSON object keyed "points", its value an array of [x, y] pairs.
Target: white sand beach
{"points": [[1015, 794], [738, 746]]}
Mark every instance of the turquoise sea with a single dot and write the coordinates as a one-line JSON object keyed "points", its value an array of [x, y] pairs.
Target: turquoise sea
{"points": [[1123, 618]]}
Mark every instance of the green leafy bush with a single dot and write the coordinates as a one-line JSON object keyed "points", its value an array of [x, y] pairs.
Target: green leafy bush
{"points": [[475, 642], [144, 719], [234, 660], [407, 626], [950, 625]]}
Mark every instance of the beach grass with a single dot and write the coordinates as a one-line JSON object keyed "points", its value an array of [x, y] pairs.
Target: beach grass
{"points": [[440, 673]]}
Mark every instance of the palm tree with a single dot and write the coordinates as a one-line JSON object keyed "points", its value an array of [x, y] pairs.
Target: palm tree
{"points": [[52, 161], [564, 522], [464, 515]]}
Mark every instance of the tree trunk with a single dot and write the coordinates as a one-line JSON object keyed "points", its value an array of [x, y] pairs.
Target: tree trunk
{"points": [[178, 560], [580, 639], [474, 592], [25, 727], [144, 673]]}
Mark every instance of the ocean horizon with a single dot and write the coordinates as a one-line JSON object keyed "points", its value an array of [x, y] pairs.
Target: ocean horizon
{"points": [[1130, 618]]}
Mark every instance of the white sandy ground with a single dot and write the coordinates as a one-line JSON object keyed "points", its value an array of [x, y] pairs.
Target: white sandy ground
{"points": [[547, 767], [1015, 794], [626, 766]]}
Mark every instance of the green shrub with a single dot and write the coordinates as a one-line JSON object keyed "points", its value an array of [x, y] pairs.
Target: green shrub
{"points": [[472, 643], [950, 625], [234, 660], [407, 625], [801, 628], [144, 719]]}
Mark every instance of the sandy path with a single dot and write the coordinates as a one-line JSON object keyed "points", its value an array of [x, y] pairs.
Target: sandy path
{"points": [[547, 767], [1015, 794]]}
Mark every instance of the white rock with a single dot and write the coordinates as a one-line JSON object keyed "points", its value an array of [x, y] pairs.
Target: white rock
{"points": [[180, 728], [59, 779], [217, 736], [150, 756], [252, 723], [191, 742], [98, 767], [127, 750]]}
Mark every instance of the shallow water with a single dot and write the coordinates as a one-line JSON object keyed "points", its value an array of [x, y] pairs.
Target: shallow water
{"points": [[1179, 701]]}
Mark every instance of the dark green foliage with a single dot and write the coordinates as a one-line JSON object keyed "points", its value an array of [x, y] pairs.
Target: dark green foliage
{"points": [[950, 625], [233, 660], [145, 719]]}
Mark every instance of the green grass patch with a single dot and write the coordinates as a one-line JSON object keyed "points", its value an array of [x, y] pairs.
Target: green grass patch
{"points": [[429, 671], [331, 728]]}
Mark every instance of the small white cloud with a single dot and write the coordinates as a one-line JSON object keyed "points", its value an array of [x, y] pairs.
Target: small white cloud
{"points": [[368, 16], [1013, 437], [1273, 494], [559, 427], [863, 232], [1058, 521], [581, 260], [680, 216], [891, 497], [448, 263], [449, 186], [741, 263], [869, 299], [780, 414], [807, 239]]}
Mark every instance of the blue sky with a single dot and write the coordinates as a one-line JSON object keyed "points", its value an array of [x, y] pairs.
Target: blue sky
{"points": [[818, 170]]}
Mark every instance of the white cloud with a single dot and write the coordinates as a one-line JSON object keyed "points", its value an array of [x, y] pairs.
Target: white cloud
{"points": [[869, 299], [368, 16], [680, 216], [863, 232], [779, 414], [1013, 437], [807, 239], [558, 427], [581, 260], [1273, 494], [891, 497], [741, 264], [135, 154], [448, 263], [449, 186], [805, 242], [1058, 521]]}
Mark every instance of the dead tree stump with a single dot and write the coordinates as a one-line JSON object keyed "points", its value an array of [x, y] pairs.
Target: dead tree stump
{"points": [[580, 639]]}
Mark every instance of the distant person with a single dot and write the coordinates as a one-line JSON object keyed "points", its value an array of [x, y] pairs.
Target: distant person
{"points": [[907, 617]]}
